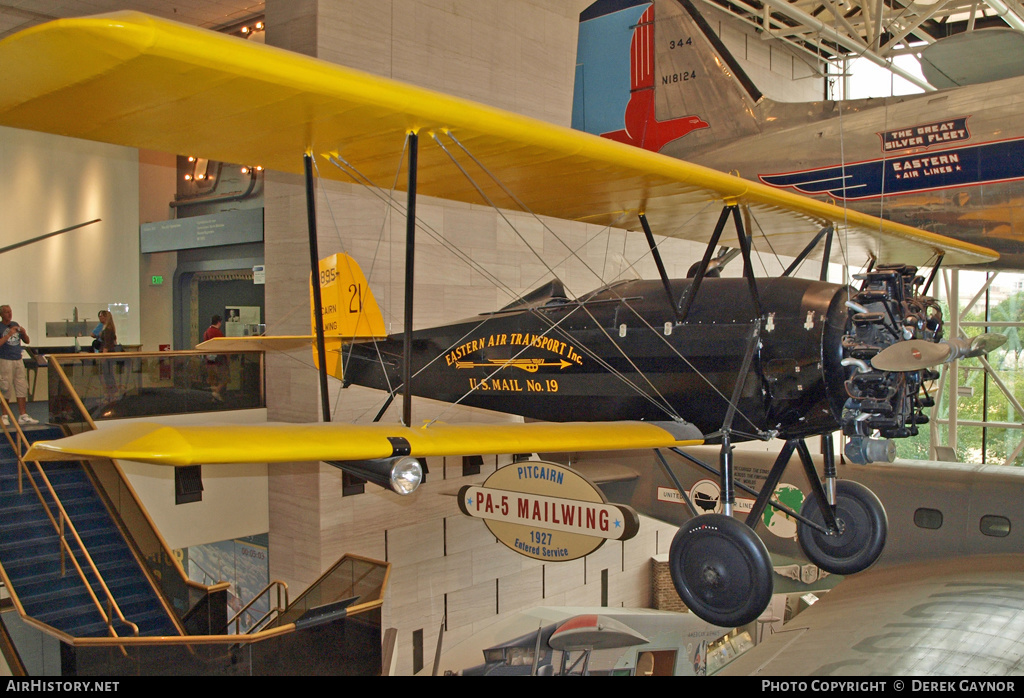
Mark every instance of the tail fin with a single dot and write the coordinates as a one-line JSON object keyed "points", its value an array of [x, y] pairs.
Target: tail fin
{"points": [[350, 312], [655, 73]]}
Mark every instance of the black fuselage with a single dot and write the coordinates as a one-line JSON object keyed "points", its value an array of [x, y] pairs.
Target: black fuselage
{"points": [[619, 353]]}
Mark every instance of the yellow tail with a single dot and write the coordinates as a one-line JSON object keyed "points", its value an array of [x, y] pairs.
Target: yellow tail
{"points": [[350, 312]]}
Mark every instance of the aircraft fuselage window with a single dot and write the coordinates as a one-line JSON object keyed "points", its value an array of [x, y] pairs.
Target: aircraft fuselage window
{"points": [[998, 526], [928, 518]]}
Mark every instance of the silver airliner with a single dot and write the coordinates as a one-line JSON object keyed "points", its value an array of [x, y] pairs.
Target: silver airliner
{"points": [[654, 74]]}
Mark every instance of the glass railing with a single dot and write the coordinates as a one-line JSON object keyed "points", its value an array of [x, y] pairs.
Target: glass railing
{"points": [[346, 642], [343, 646], [36, 652], [136, 384], [352, 585]]}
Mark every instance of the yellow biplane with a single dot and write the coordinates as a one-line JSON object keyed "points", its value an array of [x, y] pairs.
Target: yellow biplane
{"points": [[637, 365]]}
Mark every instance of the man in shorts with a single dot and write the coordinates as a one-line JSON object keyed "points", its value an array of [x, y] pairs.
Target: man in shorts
{"points": [[13, 379]]}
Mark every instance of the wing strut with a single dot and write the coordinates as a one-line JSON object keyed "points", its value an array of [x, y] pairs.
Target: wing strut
{"points": [[702, 269], [931, 277], [827, 230], [314, 265], [691, 293], [748, 266], [825, 255], [661, 265], [410, 258], [350, 484]]}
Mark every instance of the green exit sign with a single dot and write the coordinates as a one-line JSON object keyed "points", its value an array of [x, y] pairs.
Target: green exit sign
{"points": [[157, 280]]}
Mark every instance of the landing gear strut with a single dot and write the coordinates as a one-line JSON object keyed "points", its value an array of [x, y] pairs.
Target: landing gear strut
{"points": [[721, 568]]}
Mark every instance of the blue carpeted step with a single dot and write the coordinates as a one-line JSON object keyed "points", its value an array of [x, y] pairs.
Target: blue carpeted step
{"points": [[31, 554]]}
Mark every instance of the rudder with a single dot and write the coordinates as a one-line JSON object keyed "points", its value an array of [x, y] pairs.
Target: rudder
{"points": [[349, 309], [655, 75]]}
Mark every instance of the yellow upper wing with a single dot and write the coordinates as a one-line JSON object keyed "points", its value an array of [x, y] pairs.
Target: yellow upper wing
{"points": [[135, 80]]}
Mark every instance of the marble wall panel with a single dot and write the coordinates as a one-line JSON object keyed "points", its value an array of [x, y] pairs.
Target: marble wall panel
{"points": [[428, 579], [631, 587], [355, 33], [496, 561], [470, 605], [562, 578], [463, 534], [409, 545], [293, 24], [521, 591]]}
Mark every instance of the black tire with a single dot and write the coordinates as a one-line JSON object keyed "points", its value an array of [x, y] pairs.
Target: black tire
{"points": [[860, 541], [721, 570]]}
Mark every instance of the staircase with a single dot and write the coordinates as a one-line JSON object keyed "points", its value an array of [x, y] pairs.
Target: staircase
{"points": [[30, 553], [57, 628]]}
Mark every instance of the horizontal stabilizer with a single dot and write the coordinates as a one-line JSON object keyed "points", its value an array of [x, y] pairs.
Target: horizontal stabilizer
{"points": [[162, 444], [282, 343]]}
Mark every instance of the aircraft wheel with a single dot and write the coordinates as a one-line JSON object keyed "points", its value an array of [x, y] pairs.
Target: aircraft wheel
{"points": [[863, 526], [721, 570]]}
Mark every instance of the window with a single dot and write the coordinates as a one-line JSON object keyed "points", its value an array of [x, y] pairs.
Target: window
{"points": [[417, 650], [471, 465], [188, 484], [996, 526], [928, 518]]}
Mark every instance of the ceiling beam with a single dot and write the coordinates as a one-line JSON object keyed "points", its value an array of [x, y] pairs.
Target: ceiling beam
{"points": [[911, 28], [1008, 15], [855, 45]]}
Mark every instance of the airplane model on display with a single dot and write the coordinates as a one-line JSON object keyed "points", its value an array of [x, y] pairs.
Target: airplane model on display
{"points": [[634, 365], [654, 74]]}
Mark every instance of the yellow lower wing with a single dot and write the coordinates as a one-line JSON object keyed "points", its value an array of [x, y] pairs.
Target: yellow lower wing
{"points": [[276, 442]]}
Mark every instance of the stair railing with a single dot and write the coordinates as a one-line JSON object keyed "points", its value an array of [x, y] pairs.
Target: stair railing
{"points": [[127, 497], [275, 610], [371, 594], [16, 438], [64, 522]]}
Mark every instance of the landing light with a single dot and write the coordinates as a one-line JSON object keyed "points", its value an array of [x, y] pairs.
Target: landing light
{"points": [[401, 475], [406, 475]]}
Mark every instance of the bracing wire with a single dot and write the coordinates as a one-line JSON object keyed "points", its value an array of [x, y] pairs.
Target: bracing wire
{"points": [[524, 207], [353, 172]]}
